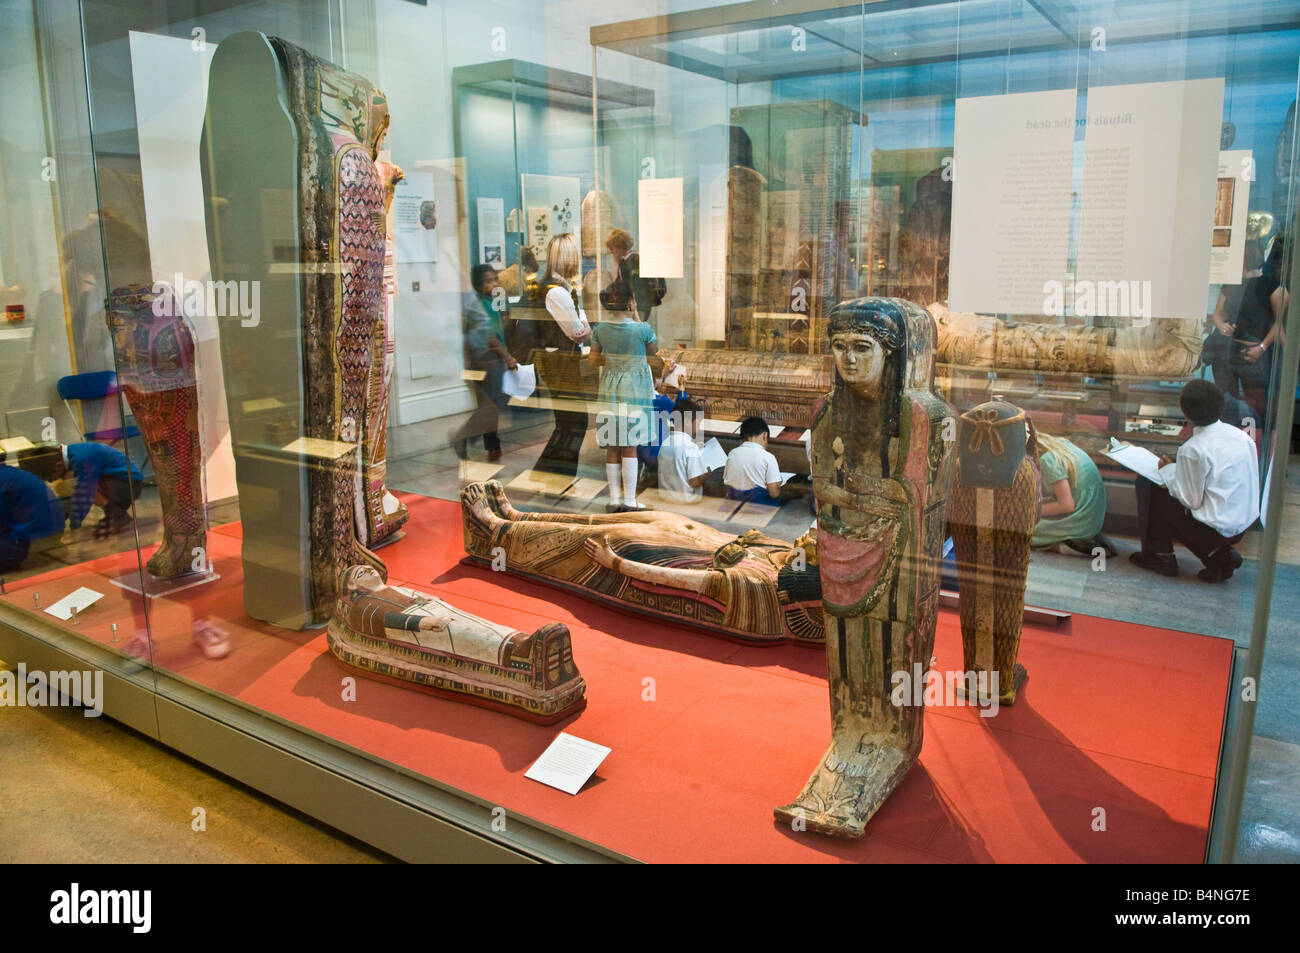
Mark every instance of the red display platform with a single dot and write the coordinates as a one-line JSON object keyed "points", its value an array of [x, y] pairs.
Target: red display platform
{"points": [[1114, 717]]}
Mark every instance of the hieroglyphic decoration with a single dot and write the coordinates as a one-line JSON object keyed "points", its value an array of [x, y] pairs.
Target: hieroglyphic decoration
{"points": [[991, 516], [752, 587], [790, 223], [385, 514], [597, 220], [881, 472], [783, 389], [427, 643], [925, 238], [154, 347], [341, 120], [745, 240], [1164, 348]]}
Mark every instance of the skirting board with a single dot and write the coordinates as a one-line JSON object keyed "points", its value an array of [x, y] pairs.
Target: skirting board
{"points": [[403, 814], [432, 404]]}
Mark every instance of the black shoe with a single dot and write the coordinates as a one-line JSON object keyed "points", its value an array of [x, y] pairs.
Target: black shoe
{"points": [[1221, 566], [613, 507], [634, 508], [1166, 564], [461, 446], [1087, 546]]}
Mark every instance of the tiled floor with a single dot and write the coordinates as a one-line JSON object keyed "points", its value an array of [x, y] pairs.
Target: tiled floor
{"points": [[420, 461]]}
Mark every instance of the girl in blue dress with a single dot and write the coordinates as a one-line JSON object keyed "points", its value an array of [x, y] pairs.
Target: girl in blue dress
{"points": [[620, 346]]}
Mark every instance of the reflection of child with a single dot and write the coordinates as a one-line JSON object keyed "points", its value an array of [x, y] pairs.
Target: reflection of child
{"points": [[621, 346], [28, 510], [1076, 506], [682, 473], [752, 473], [105, 477]]}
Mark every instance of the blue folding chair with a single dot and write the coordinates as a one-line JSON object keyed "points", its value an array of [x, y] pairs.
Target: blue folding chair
{"points": [[97, 386]]}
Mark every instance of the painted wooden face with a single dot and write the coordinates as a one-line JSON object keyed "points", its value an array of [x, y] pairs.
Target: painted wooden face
{"points": [[365, 578], [860, 361]]}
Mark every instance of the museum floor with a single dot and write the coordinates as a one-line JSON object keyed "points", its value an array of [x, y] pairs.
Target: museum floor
{"points": [[98, 791]]}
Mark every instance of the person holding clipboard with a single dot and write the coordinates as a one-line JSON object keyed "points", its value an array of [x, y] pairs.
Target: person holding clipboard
{"points": [[1206, 499]]}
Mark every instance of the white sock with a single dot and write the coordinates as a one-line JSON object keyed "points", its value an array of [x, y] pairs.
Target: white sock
{"points": [[613, 476], [629, 481]]}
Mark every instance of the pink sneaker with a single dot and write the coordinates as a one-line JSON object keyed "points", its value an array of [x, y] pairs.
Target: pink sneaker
{"points": [[138, 646], [212, 641]]}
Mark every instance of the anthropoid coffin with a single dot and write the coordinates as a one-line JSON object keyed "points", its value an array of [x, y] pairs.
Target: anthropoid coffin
{"points": [[783, 389], [1158, 348], [751, 588], [295, 211], [881, 472], [991, 515], [423, 642]]}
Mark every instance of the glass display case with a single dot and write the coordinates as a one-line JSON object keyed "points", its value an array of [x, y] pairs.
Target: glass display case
{"points": [[388, 391]]}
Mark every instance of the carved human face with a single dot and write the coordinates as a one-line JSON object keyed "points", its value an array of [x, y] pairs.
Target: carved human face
{"points": [[367, 578], [860, 360]]}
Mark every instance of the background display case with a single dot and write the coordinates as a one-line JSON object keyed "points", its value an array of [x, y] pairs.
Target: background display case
{"points": [[769, 162]]}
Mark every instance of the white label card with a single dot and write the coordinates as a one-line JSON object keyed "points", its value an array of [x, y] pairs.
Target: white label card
{"points": [[567, 763], [80, 600]]}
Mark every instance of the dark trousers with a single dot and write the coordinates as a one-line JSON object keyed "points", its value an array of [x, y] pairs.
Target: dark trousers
{"points": [[1162, 520], [120, 491], [561, 453], [1246, 379], [13, 550], [490, 397], [757, 495]]}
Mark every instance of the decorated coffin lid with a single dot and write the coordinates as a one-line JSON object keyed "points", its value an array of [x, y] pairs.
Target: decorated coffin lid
{"points": [[991, 444], [783, 389]]}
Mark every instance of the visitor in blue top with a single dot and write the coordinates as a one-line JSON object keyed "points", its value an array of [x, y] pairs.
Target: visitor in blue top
{"points": [[621, 347], [105, 477], [28, 510]]}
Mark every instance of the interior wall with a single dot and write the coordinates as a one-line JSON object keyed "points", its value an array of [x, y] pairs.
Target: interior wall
{"points": [[419, 46]]}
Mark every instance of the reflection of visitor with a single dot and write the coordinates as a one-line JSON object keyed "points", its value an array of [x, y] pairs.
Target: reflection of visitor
{"points": [[665, 395], [628, 290], [1247, 321], [559, 375], [485, 351], [556, 284], [104, 477], [1209, 496], [752, 473], [621, 347], [29, 510], [682, 473], [1074, 506]]}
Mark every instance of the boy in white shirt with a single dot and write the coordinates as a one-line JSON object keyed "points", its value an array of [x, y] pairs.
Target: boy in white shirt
{"points": [[682, 473], [1208, 498], [752, 473]]}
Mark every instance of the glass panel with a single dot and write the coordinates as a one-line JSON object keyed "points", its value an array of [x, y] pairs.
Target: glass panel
{"points": [[348, 264], [75, 499]]}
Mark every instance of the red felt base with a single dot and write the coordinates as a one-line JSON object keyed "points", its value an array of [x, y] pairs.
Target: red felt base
{"points": [[708, 736]]}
